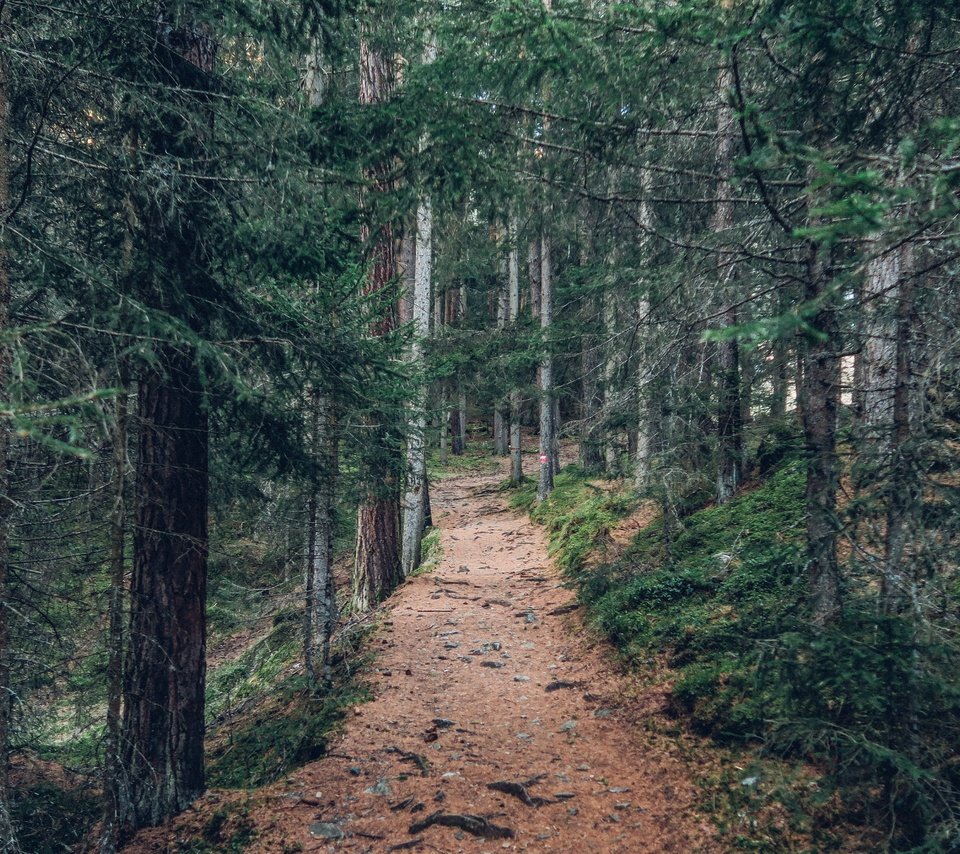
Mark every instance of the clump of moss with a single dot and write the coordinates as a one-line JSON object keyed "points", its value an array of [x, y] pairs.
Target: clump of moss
{"points": [[578, 515], [709, 598]]}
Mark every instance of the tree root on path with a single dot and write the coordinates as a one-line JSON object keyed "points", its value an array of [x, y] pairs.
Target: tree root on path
{"points": [[473, 824], [519, 790], [409, 756]]}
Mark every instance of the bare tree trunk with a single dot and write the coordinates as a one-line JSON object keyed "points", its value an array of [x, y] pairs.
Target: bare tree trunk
{"points": [[8, 837], [320, 599], [819, 401], [377, 558], [513, 275], [611, 451], [877, 376], [547, 424], [113, 772], [641, 465], [320, 602], [779, 380], [501, 414], [730, 429], [163, 719], [416, 498]]}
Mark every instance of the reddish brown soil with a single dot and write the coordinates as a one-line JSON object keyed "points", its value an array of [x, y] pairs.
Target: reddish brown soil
{"points": [[480, 678]]}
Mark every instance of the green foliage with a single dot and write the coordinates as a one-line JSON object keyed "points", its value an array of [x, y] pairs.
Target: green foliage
{"points": [[726, 584], [287, 732], [578, 515]]}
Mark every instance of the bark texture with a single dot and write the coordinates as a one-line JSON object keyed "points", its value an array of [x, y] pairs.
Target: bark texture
{"points": [[8, 840], [377, 557], [819, 400], [163, 719], [416, 498], [729, 410], [548, 455]]}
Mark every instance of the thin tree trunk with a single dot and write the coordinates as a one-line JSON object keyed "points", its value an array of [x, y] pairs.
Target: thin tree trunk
{"points": [[730, 429], [513, 275], [8, 838], [416, 498], [501, 414], [547, 445], [611, 451], [819, 401], [779, 380], [641, 460], [113, 772], [320, 603]]}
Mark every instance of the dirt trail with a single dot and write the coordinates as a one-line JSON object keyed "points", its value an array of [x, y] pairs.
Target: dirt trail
{"points": [[483, 675], [481, 678]]}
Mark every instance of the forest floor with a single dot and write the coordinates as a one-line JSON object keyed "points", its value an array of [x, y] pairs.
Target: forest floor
{"points": [[493, 712]]}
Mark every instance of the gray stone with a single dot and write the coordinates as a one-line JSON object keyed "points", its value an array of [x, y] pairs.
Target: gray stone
{"points": [[381, 787], [326, 830]]}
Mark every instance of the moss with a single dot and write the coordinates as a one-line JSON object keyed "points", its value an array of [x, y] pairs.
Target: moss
{"points": [[431, 552], [258, 668], [283, 734], [578, 515]]}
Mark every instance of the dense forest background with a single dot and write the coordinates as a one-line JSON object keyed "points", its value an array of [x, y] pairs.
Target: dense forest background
{"points": [[259, 261]]}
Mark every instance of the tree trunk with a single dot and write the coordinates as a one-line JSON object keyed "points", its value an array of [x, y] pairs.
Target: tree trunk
{"points": [[591, 456], [377, 557], [611, 449], [501, 414], [780, 379], [877, 375], [163, 714], [730, 428], [819, 401], [641, 460], [547, 424], [513, 276], [416, 498], [8, 839], [163, 720], [899, 583], [113, 772], [320, 602]]}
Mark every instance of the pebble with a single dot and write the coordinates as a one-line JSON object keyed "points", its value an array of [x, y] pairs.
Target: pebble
{"points": [[583, 767], [521, 678], [568, 726], [603, 713]]}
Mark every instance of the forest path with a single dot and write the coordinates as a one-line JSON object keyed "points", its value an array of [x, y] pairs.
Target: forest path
{"points": [[482, 676]]}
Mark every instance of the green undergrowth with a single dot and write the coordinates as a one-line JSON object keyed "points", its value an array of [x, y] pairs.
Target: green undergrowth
{"points": [[711, 597], [265, 717], [477, 458], [578, 515]]}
